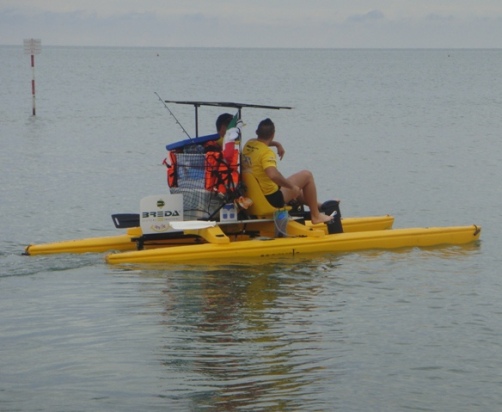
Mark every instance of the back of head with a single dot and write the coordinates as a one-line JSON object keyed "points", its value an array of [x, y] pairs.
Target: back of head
{"points": [[223, 119], [266, 129]]}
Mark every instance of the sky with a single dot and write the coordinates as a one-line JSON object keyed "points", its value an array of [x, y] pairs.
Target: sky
{"points": [[255, 23]]}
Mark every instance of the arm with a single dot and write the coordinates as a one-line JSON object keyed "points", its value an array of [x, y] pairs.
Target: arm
{"points": [[279, 147], [277, 177]]}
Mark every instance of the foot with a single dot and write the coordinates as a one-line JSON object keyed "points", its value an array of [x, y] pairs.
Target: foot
{"points": [[244, 202], [321, 218]]}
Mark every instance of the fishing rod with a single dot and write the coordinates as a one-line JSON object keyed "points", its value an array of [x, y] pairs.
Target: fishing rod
{"points": [[172, 114]]}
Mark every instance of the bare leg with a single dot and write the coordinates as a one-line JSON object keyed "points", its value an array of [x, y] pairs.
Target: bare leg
{"points": [[305, 180]]}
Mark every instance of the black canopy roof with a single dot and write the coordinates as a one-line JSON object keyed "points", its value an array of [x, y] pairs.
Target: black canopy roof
{"points": [[227, 104], [238, 106]]}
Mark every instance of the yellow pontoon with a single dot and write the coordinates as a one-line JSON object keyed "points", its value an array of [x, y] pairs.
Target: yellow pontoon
{"points": [[222, 247]]}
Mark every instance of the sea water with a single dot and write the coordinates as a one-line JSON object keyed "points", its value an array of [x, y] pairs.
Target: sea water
{"points": [[412, 133]]}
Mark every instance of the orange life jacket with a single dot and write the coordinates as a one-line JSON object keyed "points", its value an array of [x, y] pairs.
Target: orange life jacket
{"points": [[172, 169], [220, 176]]}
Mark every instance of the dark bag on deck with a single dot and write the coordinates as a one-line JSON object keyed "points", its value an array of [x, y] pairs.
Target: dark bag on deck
{"points": [[332, 208]]}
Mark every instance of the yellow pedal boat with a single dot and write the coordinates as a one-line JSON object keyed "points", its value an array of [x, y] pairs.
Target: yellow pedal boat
{"points": [[203, 181]]}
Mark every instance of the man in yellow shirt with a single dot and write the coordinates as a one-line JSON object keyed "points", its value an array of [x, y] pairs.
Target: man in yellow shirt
{"points": [[260, 160]]}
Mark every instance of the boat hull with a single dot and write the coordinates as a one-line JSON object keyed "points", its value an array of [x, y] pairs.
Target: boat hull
{"points": [[292, 246], [127, 242]]}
